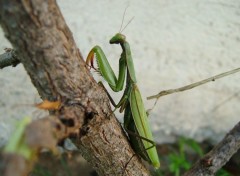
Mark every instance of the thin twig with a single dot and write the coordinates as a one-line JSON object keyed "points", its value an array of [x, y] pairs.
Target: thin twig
{"points": [[190, 86], [225, 101]]}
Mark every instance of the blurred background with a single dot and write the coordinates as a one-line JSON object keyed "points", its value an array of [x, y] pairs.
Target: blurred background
{"points": [[173, 43]]}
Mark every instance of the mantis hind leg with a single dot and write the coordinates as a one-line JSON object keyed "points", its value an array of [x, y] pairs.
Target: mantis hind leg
{"points": [[138, 152], [142, 138]]}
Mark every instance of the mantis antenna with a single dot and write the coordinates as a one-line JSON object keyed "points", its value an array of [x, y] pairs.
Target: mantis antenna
{"points": [[127, 24], [120, 31]]}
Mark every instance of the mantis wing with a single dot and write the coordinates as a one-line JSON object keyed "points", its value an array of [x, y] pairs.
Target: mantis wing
{"points": [[142, 124]]}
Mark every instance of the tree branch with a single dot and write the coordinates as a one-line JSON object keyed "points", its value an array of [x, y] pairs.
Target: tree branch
{"points": [[218, 156], [8, 58], [45, 46]]}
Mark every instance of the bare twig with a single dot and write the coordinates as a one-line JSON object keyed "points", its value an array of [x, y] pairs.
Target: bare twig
{"points": [[235, 95], [190, 86]]}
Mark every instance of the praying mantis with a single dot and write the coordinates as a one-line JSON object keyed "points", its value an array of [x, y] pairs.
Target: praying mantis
{"points": [[135, 117]]}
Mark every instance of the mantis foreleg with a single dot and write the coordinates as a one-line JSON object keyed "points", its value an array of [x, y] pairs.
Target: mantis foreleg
{"points": [[106, 70]]}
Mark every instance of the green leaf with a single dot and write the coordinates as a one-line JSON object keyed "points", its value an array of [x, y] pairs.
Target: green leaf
{"points": [[16, 144]]}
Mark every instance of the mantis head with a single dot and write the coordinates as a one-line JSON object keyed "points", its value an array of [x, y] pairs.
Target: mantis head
{"points": [[117, 38]]}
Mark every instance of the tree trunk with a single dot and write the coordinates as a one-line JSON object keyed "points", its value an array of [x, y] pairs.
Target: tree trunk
{"points": [[45, 46]]}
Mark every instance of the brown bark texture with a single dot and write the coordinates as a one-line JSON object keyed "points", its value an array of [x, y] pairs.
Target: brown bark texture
{"points": [[218, 156], [46, 48]]}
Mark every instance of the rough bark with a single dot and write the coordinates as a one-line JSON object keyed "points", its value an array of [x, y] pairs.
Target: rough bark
{"points": [[218, 156], [45, 46]]}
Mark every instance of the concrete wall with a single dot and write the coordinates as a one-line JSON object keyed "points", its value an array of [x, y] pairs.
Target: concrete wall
{"points": [[173, 43]]}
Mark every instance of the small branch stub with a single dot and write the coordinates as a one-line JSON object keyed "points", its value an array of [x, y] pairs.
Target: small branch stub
{"points": [[8, 58]]}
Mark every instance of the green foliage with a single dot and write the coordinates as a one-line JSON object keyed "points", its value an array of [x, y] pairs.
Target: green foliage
{"points": [[178, 159], [16, 144], [179, 163], [222, 172]]}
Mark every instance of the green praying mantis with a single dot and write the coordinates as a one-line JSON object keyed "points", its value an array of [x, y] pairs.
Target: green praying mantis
{"points": [[135, 116]]}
